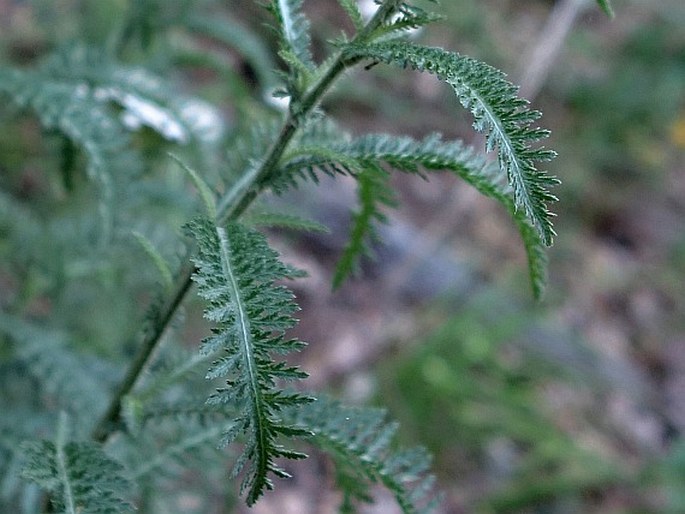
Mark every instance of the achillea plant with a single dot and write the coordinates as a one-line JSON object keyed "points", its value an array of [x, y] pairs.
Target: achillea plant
{"points": [[99, 402]]}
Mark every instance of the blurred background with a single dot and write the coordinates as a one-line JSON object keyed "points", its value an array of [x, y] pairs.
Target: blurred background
{"points": [[575, 404]]}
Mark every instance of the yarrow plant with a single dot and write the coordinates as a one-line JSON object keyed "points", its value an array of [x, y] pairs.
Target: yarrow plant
{"points": [[100, 406]]}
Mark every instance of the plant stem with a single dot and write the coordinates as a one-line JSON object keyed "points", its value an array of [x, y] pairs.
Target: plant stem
{"points": [[108, 423], [234, 203]]}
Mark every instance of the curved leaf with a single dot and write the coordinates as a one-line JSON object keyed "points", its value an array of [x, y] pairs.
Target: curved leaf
{"points": [[340, 154], [498, 112], [373, 191]]}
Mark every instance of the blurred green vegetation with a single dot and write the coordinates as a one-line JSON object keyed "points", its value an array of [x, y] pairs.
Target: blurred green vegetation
{"points": [[494, 409]]}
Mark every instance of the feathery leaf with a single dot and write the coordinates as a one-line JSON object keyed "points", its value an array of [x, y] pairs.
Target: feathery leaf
{"points": [[236, 271], [293, 28], [337, 153], [360, 441], [352, 9], [72, 91], [79, 475], [373, 191], [407, 18], [498, 112]]}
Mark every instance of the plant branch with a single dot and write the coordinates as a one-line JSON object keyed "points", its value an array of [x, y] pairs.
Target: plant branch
{"points": [[234, 203]]}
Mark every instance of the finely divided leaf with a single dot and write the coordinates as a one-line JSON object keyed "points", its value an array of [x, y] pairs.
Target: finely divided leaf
{"points": [[236, 272], [293, 27], [79, 476], [498, 112], [340, 154], [361, 443], [373, 191], [407, 18], [352, 9], [73, 91]]}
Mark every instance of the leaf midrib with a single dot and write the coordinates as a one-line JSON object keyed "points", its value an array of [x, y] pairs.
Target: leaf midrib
{"points": [[245, 343], [288, 26]]}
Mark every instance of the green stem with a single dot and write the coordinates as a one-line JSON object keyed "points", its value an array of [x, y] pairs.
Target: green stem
{"points": [[234, 203]]}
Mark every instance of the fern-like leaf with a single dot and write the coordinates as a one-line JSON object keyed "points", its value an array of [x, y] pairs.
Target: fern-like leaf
{"points": [[408, 17], [293, 28], [373, 192], [75, 112], [79, 475], [361, 443], [337, 153], [72, 381], [236, 271], [498, 112], [351, 7], [145, 98]]}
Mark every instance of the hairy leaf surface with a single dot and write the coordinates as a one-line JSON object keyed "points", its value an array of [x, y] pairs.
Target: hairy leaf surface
{"points": [[236, 271], [498, 112], [293, 27]]}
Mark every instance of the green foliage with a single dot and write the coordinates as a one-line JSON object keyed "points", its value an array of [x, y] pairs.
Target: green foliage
{"points": [[128, 375], [64, 374], [498, 113], [235, 274], [328, 150], [360, 442], [352, 9], [79, 474], [71, 91], [408, 17], [295, 43], [373, 192], [463, 391], [605, 5], [294, 30]]}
